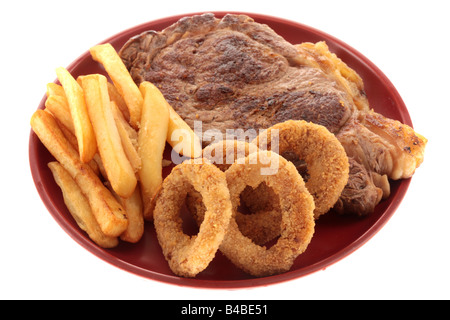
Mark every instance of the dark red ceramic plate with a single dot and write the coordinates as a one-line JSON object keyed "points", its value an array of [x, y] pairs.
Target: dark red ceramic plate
{"points": [[335, 236]]}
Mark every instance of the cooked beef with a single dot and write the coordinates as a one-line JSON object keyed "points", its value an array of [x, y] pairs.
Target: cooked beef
{"points": [[234, 73], [383, 145], [360, 195]]}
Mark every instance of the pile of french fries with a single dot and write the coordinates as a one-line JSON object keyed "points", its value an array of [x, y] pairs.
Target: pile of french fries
{"points": [[108, 140]]}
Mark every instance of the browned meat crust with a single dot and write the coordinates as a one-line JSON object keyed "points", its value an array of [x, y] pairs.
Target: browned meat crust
{"points": [[235, 73]]}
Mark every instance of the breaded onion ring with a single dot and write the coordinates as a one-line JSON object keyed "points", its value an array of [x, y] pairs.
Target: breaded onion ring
{"points": [[225, 152], [297, 218], [262, 224], [186, 255], [326, 159]]}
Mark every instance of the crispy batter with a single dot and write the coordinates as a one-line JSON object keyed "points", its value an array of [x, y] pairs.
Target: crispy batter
{"points": [[225, 152], [297, 222], [260, 226], [326, 160], [187, 256], [262, 222]]}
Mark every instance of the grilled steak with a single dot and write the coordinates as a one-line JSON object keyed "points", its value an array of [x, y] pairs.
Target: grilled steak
{"points": [[234, 73]]}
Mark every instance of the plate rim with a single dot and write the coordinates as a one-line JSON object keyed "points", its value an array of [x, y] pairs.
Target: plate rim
{"points": [[223, 284]]}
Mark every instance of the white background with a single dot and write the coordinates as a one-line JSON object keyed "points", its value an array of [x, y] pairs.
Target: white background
{"points": [[407, 40]]}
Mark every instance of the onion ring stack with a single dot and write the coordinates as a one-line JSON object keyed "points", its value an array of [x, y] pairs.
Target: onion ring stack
{"points": [[281, 203]]}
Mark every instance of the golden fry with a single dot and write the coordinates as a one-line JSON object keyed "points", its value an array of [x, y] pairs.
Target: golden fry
{"points": [[134, 209], [54, 89], [181, 137], [108, 212], [114, 66], [73, 141], [58, 106], [128, 137], [84, 132], [152, 141], [115, 96], [79, 207], [117, 166]]}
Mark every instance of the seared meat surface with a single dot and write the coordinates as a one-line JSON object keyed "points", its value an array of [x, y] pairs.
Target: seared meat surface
{"points": [[234, 73]]}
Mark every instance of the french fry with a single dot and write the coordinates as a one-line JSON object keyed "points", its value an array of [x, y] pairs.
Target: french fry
{"points": [[114, 66], [119, 101], [108, 212], [54, 89], [58, 106], [79, 207], [117, 166], [73, 141], [84, 132], [181, 137], [134, 207], [101, 168], [152, 140], [128, 137]]}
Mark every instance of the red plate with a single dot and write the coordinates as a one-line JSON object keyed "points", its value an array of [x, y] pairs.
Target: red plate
{"points": [[335, 236]]}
